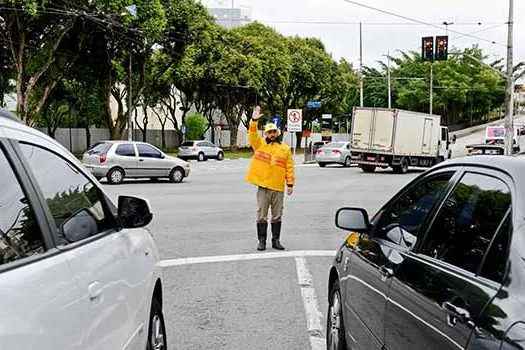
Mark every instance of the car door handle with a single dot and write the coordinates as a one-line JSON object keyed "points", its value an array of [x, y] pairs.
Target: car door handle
{"points": [[455, 314], [95, 291], [141, 160], [385, 272]]}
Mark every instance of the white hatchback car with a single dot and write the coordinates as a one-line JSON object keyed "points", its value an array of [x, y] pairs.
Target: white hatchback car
{"points": [[75, 271]]}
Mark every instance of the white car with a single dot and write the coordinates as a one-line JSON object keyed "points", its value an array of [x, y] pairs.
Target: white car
{"points": [[76, 272]]}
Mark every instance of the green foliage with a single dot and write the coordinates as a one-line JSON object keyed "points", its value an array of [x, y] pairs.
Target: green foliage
{"points": [[196, 126]]}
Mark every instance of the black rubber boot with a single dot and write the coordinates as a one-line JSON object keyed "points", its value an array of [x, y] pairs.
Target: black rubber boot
{"points": [[262, 229], [276, 235]]}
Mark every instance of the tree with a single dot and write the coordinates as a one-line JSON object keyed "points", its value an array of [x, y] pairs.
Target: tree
{"points": [[196, 125]]}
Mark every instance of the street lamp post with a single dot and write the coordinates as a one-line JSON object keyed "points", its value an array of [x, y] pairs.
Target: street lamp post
{"points": [[509, 94]]}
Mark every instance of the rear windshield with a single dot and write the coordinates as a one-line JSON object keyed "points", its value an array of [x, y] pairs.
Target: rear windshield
{"points": [[187, 143], [101, 147], [335, 145]]}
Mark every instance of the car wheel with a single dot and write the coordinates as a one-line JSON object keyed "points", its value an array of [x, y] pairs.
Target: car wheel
{"points": [[335, 327], [368, 168], [348, 162], [177, 175], [322, 165], [115, 176], [220, 156], [201, 157], [157, 328]]}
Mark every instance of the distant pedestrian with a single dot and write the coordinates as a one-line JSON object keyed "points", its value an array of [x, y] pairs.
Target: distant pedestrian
{"points": [[271, 170]]}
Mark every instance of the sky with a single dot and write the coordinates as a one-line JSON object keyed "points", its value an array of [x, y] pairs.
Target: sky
{"points": [[383, 33]]}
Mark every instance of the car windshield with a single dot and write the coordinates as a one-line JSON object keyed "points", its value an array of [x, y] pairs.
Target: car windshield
{"points": [[334, 145], [100, 148]]}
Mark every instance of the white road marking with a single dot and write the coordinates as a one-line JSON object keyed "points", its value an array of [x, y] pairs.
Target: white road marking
{"points": [[311, 307], [244, 257]]}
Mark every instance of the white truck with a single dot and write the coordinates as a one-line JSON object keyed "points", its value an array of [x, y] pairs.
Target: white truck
{"points": [[398, 139]]}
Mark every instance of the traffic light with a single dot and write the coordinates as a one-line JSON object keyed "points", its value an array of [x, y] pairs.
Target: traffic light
{"points": [[441, 48], [427, 48]]}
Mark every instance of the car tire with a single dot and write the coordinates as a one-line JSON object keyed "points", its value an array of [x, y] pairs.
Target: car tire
{"points": [[368, 168], [115, 176], [220, 156], [201, 157], [322, 165], [157, 328], [335, 327], [177, 175], [348, 162]]}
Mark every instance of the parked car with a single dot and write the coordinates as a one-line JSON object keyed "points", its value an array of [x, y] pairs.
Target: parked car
{"points": [[76, 272], [334, 153], [200, 150], [440, 266], [117, 160]]}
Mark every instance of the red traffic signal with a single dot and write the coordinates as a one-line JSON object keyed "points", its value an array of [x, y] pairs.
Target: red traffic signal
{"points": [[441, 48], [427, 48]]}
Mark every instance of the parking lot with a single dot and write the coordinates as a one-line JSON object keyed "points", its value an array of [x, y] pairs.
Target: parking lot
{"points": [[220, 292]]}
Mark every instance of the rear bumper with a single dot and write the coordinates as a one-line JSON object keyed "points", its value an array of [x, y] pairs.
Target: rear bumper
{"points": [[363, 162], [319, 158], [98, 171]]}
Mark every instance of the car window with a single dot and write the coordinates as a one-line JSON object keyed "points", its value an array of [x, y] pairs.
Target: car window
{"points": [[496, 259], [209, 144], [443, 134], [187, 144], [334, 145], [401, 221], [20, 235], [147, 151], [76, 204], [126, 150], [467, 221], [201, 144], [99, 148]]}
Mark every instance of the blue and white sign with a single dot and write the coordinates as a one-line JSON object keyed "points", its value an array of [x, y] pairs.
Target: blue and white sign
{"points": [[277, 121], [183, 129], [313, 104]]}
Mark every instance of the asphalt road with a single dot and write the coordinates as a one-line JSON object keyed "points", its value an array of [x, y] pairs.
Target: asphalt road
{"points": [[220, 293]]}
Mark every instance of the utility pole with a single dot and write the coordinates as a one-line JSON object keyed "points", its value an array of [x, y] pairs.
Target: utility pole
{"points": [[130, 102], [431, 86], [389, 83], [509, 94], [361, 103]]}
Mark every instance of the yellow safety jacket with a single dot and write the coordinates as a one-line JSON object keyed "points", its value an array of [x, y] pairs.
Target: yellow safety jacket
{"points": [[272, 163]]}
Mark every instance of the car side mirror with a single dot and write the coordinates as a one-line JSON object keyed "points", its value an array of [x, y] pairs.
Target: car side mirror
{"points": [[454, 138], [352, 219], [134, 212], [79, 226]]}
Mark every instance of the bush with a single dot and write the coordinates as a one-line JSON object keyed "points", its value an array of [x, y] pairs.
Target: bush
{"points": [[195, 126]]}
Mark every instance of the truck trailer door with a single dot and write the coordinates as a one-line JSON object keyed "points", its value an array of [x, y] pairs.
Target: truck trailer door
{"points": [[427, 136]]}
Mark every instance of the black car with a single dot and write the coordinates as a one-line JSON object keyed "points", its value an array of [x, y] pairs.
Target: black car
{"points": [[440, 266]]}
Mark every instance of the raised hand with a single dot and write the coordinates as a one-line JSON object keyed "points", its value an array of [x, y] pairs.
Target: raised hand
{"points": [[256, 113]]}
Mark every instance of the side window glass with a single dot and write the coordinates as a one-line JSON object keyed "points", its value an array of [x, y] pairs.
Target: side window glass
{"points": [[76, 204], [468, 220], [401, 221], [20, 235], [146, 151], [201, 144], [125, 150], [496, 259]]}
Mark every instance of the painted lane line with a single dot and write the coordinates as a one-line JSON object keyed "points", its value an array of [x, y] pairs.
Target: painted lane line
{"points": [[244, 257], [311, 306]]}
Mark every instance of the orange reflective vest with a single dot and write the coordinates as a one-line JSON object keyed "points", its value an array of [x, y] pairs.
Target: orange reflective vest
{"points": [[272, 164]]}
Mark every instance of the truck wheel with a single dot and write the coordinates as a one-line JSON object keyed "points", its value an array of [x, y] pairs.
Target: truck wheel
{"points": [[368, 168], [403, 169]]}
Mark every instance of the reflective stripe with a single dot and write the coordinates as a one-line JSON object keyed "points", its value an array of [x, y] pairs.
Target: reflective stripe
{"points": [[253, 127], [263, 157], [280, 162]]}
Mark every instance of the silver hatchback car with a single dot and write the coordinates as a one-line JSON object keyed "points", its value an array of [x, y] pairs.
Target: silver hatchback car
{"points": [[334, 153], [200, 150], [116, 160]]}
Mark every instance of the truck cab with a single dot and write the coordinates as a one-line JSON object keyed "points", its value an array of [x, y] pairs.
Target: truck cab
{"points": [[445, 143]]}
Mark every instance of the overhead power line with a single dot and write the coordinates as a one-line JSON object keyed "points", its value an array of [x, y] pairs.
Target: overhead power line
{"points": [[422, 22]]}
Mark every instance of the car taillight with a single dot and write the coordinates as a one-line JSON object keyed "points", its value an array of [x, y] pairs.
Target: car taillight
{"points": [[336, 151], [194, 148], [102, 158], [318, 151]]}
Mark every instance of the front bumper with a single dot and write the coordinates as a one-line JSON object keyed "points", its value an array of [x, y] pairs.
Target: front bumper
{"points": [[187, 172]]}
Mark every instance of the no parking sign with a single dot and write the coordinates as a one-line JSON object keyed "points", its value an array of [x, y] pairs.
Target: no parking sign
{"points": [[295, 120]]}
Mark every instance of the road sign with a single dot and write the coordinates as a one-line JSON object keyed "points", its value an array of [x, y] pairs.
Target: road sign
{"points": [[183, 129], [326, 116], [277, 121], [313, 104], [295, 120]]}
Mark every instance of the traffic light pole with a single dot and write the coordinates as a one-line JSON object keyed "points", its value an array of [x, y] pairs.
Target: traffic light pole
{"points": [[509, 94], [361, 97], [431, 86], [389, 83]]}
